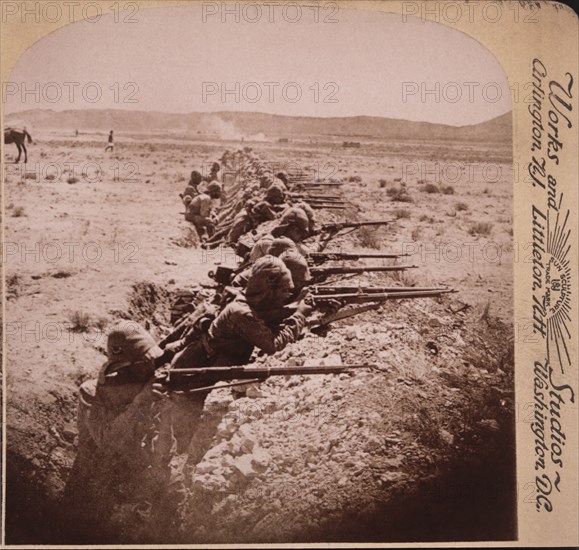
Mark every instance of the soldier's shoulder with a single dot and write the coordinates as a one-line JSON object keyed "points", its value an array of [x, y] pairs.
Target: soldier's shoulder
{"points": [[239, 308]]}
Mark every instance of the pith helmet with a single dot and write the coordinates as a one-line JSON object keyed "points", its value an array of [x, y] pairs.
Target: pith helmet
{"points": [[129, 342], [291, 217]]}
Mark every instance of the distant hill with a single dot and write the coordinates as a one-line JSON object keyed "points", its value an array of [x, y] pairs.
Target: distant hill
{"points": [[233, 125]]}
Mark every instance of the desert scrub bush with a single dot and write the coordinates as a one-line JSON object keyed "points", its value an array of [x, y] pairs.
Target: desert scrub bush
{"points": [[461, 206], [355, 179], [72, 179], [62, 274], [416, 233], [382, 183], [448, 190], [425, 218], [49, 177], [404, 278], [30, 176], [101, 323], [430, 188], [79, 322], [367, 237], [399, 194], [12, 285], [401, 213], [18, 212], [481, 228]]}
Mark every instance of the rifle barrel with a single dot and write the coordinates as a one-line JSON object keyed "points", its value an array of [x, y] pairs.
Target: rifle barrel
{"points": [[331, 290], [319, 256], [315, 196], [360, 298], [325, 201], [320, 271], [318, 184], [347, 225], [231, 373]]}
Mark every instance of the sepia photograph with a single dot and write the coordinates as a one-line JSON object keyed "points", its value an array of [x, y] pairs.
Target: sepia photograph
{"points": [[259, 274]]}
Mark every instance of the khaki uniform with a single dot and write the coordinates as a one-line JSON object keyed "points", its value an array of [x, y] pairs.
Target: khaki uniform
{"points": [[235, 333], [199, 212], [114, 417], [230, 341]]}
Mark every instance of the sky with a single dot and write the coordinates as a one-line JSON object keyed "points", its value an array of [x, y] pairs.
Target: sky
{"points": [[201, 59]]}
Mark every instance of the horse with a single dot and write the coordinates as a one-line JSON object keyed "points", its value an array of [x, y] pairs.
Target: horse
{"points": [[14, 135]]}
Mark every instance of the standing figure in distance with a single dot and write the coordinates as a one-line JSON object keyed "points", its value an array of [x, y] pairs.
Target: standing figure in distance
{"points": [[111, 143]]}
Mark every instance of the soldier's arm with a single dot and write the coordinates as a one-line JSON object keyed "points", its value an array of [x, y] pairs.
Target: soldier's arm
{"points": [[254, 330], [205, 209]]}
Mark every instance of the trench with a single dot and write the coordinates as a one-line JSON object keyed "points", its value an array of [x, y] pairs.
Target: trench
{"points": [[468, 493], [34, 485]]}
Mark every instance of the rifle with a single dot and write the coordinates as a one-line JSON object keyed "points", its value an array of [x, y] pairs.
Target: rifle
{"points": [[360, 297], [219, 236], [332, 290], [371, 301], [312, 200], [321, 273], [204, 379], [321, 257], [309, 183], [335, 227], [332, 229], [314, 195], [328, 206]]}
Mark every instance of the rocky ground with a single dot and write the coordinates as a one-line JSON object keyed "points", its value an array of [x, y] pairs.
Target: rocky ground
{"points": [[419, 447]]}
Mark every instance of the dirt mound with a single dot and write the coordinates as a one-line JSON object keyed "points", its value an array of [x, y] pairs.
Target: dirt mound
{"points": [[331, 457], [358, 456], [148, 304]]}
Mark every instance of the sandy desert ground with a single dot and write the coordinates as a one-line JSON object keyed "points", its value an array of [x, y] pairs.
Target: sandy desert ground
{"points": [[83, 248]]}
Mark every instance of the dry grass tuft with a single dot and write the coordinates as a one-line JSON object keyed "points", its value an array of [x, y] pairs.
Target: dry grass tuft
{"points": [[399, 194], [430, 188], [481, 228], [368, 238], [80, 322], [401, 213]]}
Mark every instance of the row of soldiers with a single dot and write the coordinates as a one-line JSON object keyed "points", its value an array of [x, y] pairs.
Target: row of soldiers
{"points": [[130, 423], [257, 197], [134, 419]]}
